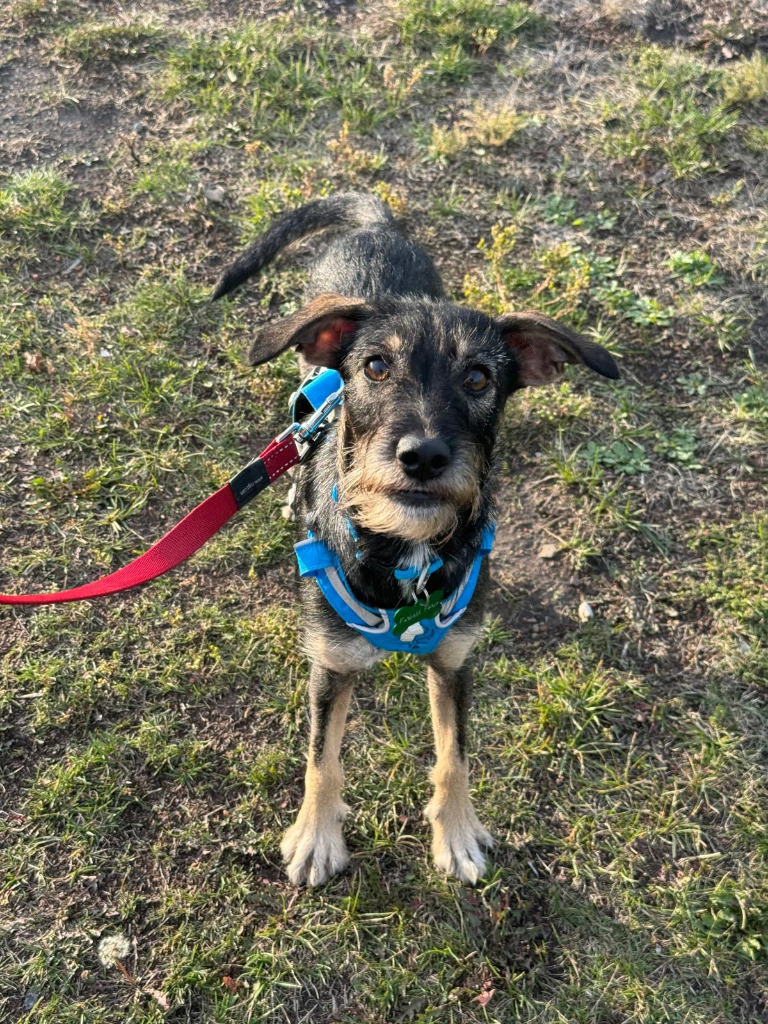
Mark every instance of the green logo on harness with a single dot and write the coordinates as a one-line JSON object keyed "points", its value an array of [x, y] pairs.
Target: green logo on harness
{"points": [[405, 617]]}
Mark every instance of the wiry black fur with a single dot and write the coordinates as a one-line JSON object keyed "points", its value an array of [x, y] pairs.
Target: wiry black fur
{"points": [[371, 257]]}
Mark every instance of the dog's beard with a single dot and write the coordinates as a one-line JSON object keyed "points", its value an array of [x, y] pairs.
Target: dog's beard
{"points": [[377, 512], [369, 494]]}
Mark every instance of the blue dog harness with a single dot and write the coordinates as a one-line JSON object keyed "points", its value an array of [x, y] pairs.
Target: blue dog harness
{"points": [[416, 628]]}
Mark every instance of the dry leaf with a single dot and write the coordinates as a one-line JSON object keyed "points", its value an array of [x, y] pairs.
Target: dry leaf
{"points": [[485, 996], [160, 998], [34, 361]]}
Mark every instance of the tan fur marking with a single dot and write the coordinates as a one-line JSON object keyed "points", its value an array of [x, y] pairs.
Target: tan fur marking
{"points": [[381, 514], [457, 835], [456, 646], [366, 490], [313, 848], [354, 655]]}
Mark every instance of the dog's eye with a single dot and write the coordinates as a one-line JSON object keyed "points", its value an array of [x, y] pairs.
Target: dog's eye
{"points": [[376, 369], [477, 380]]}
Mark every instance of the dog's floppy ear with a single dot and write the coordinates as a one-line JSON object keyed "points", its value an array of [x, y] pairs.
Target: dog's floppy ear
{"points": [[318, 330], [542, 345]]}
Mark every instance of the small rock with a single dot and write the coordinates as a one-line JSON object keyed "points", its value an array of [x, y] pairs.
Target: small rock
{"points": [[549, 551], [30, 999], [139, 127], [574, 581], [214, 193], [585, 611]]}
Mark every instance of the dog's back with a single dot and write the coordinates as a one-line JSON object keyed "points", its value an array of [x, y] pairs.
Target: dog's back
{"points": [[367, 258]]}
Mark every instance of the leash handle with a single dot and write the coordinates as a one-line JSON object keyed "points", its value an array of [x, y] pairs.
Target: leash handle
{"points": [[188, 536]]}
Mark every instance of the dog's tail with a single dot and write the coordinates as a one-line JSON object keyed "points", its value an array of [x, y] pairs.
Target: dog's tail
{"points": [[346, 209]]}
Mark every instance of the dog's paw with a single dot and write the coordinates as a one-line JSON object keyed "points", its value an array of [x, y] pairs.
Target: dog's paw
{"points": [[458, 840], [313, 848]]}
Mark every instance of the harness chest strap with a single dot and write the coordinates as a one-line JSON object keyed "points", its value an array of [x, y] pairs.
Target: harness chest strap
{"points": [[317, 560]]}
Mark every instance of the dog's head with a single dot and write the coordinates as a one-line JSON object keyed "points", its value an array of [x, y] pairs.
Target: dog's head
{"points": [[425, 386]]}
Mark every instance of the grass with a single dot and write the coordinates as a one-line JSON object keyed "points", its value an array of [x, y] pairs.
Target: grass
{"points": [[152, 745], [482, 126], [677, 117], [95, 42], [33, 206], [453, 33], [747, 81], [272, 80]]}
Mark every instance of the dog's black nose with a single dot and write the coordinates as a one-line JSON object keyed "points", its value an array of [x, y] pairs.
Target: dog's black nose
{"points": [[423, 458]]}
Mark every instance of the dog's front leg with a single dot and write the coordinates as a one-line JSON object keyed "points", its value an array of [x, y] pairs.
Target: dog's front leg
{"points": [[313, 847], [457, 835]]}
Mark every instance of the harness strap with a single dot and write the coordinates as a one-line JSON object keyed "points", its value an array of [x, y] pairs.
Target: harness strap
{"points": [[457, 603], [316, 559]]}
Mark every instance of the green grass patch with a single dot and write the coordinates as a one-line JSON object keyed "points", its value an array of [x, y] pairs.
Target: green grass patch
{"points": [[36, 15], [677, 117], [96, 42], [756, 139], [470, 26], [746, 81], [269, 81], [482, 127], [34, 204], [561, 280], [168, 170], [696, 268], [733, 585], [452, 33]]}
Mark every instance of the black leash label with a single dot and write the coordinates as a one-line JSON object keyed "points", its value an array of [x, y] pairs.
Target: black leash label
{"points": [[249, 482]]}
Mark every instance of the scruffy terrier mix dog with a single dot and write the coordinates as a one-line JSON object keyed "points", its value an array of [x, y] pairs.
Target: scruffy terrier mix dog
{"points": [[397, 494]]}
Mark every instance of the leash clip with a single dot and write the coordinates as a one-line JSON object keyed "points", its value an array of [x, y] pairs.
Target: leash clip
{"points": [[309, 432], [316, 398], [306, 432], [294, 428]]}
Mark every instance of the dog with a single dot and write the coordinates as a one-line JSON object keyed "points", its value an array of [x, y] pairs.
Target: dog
{"points": [[395, 501]]}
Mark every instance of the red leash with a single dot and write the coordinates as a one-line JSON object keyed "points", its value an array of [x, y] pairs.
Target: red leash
{"points": [[187, 536]]}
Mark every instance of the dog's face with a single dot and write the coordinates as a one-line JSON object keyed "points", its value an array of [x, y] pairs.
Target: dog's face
{"points": [[425, 386]]}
